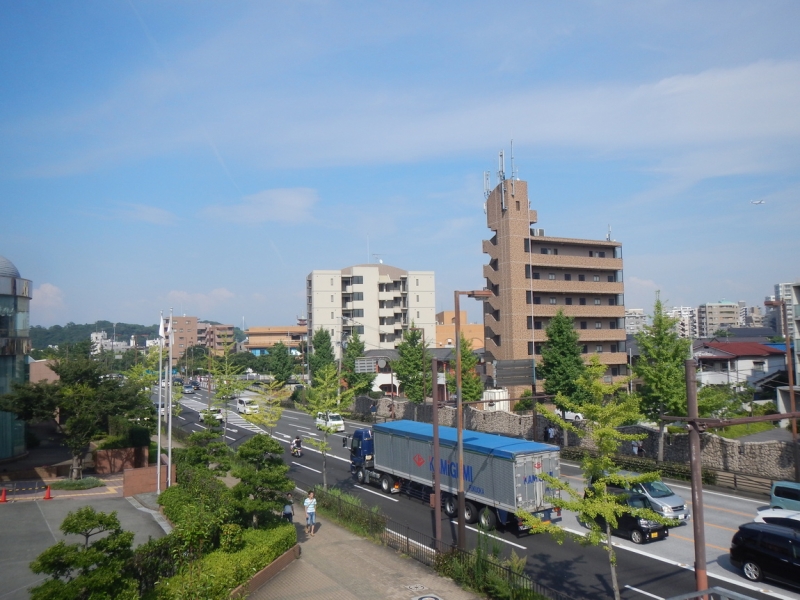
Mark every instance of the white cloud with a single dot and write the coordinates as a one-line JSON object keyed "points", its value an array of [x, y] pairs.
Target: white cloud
{"points": [[47, 304], [199, 304], [287, 205]]}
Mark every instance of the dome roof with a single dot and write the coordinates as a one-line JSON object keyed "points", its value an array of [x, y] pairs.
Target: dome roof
{"points": [[7, 268]]}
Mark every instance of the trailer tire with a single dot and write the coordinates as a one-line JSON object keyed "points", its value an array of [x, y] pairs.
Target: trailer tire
{"points": [[361, 477], [487, 519], [470, 512], [387, 483], [450, 506]]}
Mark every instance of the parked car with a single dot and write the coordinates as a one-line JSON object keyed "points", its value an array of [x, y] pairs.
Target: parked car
{"points": [[330, 420], [638, 529], [212, 413], [187, 389], [779, 516], [246, 406], [785, 494], [763, 550], [569, 415]]}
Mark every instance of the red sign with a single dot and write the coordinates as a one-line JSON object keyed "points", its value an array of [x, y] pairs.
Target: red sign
{"points": [[419, 460], [538, 465]]}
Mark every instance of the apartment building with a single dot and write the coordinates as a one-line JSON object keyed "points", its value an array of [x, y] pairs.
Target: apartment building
{"points": [[635, 320], [713, 316], [687, 320], [532, 276], [218, 338], [261, 339], [446, 330], [783, 291], [185, 334], [377, 300]]}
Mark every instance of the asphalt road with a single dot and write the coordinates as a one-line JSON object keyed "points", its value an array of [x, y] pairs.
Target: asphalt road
{"points": [[657, 570]]}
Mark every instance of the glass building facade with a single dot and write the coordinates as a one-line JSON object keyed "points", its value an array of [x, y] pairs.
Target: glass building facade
{"points": [[15, 345]]}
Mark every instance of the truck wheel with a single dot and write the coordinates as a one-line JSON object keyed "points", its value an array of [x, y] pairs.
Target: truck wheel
{"points": [[487, 519], [450, 506], [361, 476], [387, 483], [470, 512], [637, 537]]}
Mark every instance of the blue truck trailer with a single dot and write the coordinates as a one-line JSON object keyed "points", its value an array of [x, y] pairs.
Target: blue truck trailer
{"points": [[501, 474]]}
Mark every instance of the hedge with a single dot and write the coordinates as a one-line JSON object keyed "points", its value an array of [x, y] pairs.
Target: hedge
{"points": [[217, 574]]}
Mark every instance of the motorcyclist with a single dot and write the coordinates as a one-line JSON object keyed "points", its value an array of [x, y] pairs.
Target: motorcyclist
{"points": [[297, 444]]}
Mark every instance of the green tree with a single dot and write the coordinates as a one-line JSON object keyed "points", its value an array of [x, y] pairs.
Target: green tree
{"points": [[84, 570], [660, 366], [322, 351], [357, 381], [605, 409], [562, 363], [280, 363], [471, 386], [263, 479], [203, 449], [268, 397], [324, 398], [413, 366], [228, 382]]}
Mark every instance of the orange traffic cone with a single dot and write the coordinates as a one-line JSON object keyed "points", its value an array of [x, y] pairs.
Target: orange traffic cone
{"points": [[3, 496], [47, 495]]}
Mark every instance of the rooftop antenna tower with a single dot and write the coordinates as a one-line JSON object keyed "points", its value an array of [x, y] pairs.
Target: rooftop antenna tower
{"points": [[377, 256], [501, 177], [513, 171], [608, 236], [487, 190]]}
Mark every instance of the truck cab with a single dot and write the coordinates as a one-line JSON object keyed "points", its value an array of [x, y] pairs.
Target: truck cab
{"points": [[362, 450]]}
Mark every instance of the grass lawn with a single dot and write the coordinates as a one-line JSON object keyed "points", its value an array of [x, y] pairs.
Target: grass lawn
{"points": [[736, 431]]}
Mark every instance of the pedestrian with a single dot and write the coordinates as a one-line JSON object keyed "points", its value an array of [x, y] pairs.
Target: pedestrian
{"points": [[546, 435], [635, 447], [641, 448], [551, 433], [310, 505], [288, 509]]}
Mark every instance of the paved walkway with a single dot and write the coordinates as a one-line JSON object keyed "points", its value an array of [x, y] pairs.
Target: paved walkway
{"points": [[338, 565]]}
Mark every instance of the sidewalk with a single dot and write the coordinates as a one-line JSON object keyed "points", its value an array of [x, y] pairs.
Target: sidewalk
{"points": [[338, 565]]}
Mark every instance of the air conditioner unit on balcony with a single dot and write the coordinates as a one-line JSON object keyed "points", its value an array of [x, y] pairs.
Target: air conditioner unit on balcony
{"points": [[537, 232]]}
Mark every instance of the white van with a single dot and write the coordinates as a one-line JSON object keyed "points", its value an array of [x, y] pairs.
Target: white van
{"points": [[332, 421], [246, 406]]}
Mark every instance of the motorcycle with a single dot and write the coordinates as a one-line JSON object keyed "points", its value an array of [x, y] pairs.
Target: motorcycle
{"points": [[298, 452]]}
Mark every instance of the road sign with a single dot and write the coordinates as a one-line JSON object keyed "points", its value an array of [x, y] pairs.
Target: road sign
{"points": [[366, 365], [513, 372]]}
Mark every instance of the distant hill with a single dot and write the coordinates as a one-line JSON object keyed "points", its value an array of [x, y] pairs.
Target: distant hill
{"points": [[42, 337]]}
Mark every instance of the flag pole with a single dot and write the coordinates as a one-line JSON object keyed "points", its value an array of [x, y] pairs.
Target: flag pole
{"points": [[170, 332], [160, 404]]}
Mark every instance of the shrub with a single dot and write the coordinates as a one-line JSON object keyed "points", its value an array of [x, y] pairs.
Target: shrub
{"points": [[86, 483], [217, 574], [231, 538], [114, 442]]}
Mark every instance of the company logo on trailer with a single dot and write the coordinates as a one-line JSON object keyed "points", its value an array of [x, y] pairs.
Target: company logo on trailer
{"points": [[419, 460]]}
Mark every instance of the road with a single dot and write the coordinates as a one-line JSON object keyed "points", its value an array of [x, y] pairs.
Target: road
{"points": [[656, 570]]}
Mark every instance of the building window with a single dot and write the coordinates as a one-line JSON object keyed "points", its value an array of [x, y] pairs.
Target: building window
{"points": [[597, 301], [538, 348], [537, 324], [568, 301], [598, 325], [584, 325], [418, 314], [526, 244], [331, 314], [417, 297], [528, 296], [530, 322], [537, 275], [596, 278], [591, 253], [331, 280], [612, 301], [758, 366], [611, 279], [358, 279], [614, 348], [585, 349], [417, 282], [555, 251], [598, 348], [530, 348], [331, 297], [551, 276], [359, 329], [552, 300], [544, 251], [358, 296], [537, 299], [567, 277], [581, 277], [331, 332], [601, 255], [358, 312], [612, 324], [614, 371]]}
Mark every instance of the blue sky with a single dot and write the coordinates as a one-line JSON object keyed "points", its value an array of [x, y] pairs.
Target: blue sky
{"points": [[208, 155]]}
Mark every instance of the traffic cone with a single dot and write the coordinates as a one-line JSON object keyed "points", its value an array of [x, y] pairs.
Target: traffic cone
{"points": [[47, 495], [3, 496]]}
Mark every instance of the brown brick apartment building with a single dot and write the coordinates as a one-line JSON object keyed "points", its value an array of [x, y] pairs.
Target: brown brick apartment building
{"points": [[533, 275]]}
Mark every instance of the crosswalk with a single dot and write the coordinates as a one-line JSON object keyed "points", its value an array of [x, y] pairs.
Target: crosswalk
{"points": [[235, 420]]}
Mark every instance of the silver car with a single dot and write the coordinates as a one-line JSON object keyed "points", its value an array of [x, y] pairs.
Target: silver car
{"points": [[665, 502]]}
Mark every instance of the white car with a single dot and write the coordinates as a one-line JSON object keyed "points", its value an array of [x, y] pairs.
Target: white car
{"points": [[779, 516], [331, 421], [569, 415], [212, 412], [245, 406]]}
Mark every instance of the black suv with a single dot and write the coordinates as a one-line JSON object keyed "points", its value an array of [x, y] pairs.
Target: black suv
{"points": [[765, 550], [639, 530]]}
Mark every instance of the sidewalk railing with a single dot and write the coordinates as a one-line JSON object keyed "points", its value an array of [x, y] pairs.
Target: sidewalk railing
{"points": [[472, 568]]}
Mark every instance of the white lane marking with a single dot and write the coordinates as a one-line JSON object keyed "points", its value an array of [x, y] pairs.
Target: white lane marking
{"points": [[233, 430], [305, 467], [499, 539], [384, 496], [283, 434], [306, 448], [288, 417], [630, 587], [230, 438], [301, 427], [198, 424], [180, 417]]}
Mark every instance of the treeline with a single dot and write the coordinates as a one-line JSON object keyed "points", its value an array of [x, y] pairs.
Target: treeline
{"points": [[72, 333]]}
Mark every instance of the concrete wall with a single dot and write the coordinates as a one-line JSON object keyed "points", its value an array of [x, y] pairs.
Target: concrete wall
{"points": [[140, 481], [772, 460]]}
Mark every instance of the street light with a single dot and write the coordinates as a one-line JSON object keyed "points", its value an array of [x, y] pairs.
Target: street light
{"points": [[790, 374], [462, 525]]}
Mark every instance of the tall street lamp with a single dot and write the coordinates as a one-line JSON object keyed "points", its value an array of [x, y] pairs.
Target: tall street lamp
{"points": [[462, 525], [790, 374]]}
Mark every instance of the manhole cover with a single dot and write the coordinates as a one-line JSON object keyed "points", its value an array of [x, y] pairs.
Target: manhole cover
{"points": [[417, 587], [427, 597]]}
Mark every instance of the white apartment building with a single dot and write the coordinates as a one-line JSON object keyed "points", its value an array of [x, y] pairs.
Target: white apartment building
{"points": [[635, 320], [783, 291], [713, 316], [377, 300], [687, 320]]}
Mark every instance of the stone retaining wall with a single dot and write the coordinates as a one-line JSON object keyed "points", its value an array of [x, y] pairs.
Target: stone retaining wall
{"points": [[770, 460]]}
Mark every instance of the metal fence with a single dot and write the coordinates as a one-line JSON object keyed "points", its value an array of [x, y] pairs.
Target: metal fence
{"points": [[448, 560]]}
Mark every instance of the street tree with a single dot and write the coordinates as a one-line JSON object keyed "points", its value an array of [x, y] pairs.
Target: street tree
{"points": [[263, 479], [355, 349], [87, 570], [268, 396], [280, 363], [321, 351], [324, 398], [471, 386], [660, 366], [562, 361], [607, 406], [413, 366]]}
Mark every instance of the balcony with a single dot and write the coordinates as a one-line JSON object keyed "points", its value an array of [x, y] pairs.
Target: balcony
{"points": [[576, 263], [491, 274], [577, 288], [489, 247], [579, 312]]}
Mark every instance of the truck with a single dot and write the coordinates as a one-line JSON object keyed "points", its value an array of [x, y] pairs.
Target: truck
{"points": [[501, 474]]}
